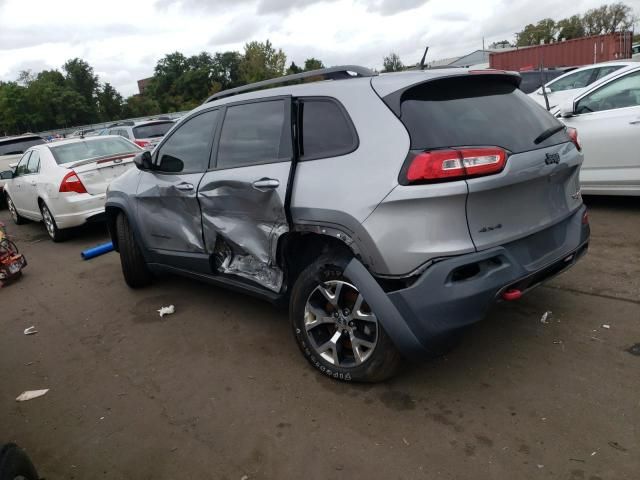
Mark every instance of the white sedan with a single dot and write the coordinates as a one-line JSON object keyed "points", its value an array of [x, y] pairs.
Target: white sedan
{"points": [[570, 84], [607, 118], [64, 184]]}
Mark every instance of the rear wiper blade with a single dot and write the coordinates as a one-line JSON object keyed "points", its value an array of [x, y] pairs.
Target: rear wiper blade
{"points": [[548, 133]]}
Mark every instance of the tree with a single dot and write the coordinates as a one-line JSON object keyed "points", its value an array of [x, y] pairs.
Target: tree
{"points": [[312, 64], [392, 63], [81, 78], [293, 68], [226, 69], [501, 44], [570, 28], [140, 106], [261, 62], [544, 31], [109, 103]]}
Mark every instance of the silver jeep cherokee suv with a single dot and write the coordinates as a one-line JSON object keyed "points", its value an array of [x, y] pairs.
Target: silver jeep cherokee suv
{"points": [[389, 211]]}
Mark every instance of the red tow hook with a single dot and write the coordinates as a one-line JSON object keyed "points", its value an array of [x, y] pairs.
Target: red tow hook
{"points": [[512, 294]]}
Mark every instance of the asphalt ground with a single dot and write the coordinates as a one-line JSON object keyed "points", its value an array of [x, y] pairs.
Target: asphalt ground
{"points": [[219, 389]]}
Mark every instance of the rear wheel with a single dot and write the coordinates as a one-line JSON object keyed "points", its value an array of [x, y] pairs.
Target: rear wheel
{"points": [[134, 268], [335, 328], [56, 234], [15, 216]]}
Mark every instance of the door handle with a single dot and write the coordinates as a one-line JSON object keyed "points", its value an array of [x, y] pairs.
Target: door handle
{"points": [[184, 186], [266, 184], [635, 122]]}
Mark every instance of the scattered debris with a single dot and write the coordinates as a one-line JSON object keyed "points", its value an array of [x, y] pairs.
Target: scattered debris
{"points": [[31, 394], [540, 465], [30, 331], [546, 317], [634, 349], [28, 364], [101, 418], [598, 339], [577, 460], [405, 441], [167, 310], [606, 326], [617, 446], [593, 453], [96, 251], [557, 342], [244, 477]]}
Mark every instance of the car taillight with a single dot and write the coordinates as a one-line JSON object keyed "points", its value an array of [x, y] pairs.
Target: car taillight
{"points": [[142, 143], [444, 165], [573, 135], [72, 183]]}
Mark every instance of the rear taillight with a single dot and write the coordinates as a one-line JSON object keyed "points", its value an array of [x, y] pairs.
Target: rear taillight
{"points": [[142, 143], [573, 135], [444, 165], [72, 183]]}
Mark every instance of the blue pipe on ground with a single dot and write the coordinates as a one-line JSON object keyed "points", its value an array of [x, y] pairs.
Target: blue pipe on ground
{"points": [[97, 251]]}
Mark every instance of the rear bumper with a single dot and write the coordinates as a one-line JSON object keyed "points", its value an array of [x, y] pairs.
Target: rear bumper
{"points": [[458, 291], [77, 209]]}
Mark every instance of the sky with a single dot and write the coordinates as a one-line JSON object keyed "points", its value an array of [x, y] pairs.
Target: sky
{"points": [[123, 39]]}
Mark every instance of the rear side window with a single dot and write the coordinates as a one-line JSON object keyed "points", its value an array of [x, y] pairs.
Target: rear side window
{"points": [[188, 148], [573, 80], [17, 146], [325, 130], [475, 110], [254, 133], [152, 130]]}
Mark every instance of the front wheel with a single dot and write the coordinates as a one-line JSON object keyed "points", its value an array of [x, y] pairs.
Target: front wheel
{"points": [[134, 268], [335, 328], [55, 234]]}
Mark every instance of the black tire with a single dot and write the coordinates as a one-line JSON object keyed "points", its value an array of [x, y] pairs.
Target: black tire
{"points": [[134, 268], [55, 234], [15, 216], [15, 464], [383, 360]]}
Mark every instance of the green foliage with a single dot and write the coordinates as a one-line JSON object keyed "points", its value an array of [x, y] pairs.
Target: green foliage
{"points": [[312, 64], [392, 63], [597, 21], [261, 62]]}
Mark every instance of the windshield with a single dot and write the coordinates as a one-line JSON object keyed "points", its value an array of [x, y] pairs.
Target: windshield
{"points": [[95, 147], [478, 111], [17, 146], [152, 130]]}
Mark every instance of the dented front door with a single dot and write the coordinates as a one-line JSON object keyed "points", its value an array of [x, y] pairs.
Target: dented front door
{"points": [[243, 198]]}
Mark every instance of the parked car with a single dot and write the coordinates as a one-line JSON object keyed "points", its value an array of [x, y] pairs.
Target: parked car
{"points": [[83, 132], [607, 114], [533, 79], [11, 149], [568, 85], [635, 52], [145, 134], [389, 211], [63, 184]]}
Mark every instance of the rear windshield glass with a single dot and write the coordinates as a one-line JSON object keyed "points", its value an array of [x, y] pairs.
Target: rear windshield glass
{"points": [[152, 130], [17, 146], [100, 147], [475, 111]]}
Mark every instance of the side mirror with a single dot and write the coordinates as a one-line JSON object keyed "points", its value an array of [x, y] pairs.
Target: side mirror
{"points": [[6, 175], [566, 109], [143, 161]]}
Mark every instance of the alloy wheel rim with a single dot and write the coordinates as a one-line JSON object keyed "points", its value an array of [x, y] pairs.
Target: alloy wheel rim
{"points": [[48, 221], [340, 326], [12, 209]]}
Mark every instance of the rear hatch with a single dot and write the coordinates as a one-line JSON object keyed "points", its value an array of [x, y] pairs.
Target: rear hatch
{"points": [[536, 183], [149, 135]]}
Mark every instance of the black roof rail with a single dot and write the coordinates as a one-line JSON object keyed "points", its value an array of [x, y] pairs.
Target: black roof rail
{"points": [[333, 73], [122, 124]]}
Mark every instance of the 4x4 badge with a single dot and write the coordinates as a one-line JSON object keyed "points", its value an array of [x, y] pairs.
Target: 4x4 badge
{"points": [[551, 158]]}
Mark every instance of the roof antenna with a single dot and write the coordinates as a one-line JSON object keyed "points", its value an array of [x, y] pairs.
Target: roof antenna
{"points": [[423, 58]]}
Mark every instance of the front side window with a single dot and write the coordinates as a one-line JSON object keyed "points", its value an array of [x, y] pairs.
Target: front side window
{"points": [[21, 168], [254, 133], [619, 93], [571, 81], [188, 149], [34, 163], [326, 131]]}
